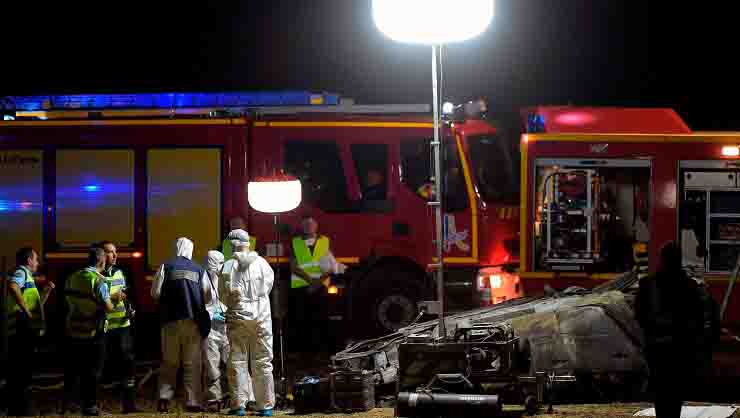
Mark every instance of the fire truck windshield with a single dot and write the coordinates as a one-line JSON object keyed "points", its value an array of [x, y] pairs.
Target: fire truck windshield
{"points": [[494, 167]]}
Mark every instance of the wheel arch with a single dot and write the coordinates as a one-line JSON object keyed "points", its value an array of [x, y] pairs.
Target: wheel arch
{"points": [[396, 263]]}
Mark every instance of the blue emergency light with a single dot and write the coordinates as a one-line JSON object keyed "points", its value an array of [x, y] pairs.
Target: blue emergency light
{"points": [[172, 100], [535, 123]]}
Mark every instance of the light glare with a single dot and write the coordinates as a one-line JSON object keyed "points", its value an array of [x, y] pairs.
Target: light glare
{"points": [[274, 196], [432, 22], [496, 281], [732, 151], [447, 108]]}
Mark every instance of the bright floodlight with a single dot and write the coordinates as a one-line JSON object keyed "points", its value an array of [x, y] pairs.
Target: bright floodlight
{"points": [[275, 194], [448, 108], [432, 22]]}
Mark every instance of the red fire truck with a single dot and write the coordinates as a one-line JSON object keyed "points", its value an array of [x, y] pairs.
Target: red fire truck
{"points": [[598, 182], [143, 169]]}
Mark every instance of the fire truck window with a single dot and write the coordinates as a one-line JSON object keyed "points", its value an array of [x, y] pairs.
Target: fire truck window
{"points": [[710, 218], [725, 202], [184, 200], [371, 165], [692, 227], [455, 190], [94, 197], [494, 169], [21, 211], [319, 167], [591, 218], [416, 166]]}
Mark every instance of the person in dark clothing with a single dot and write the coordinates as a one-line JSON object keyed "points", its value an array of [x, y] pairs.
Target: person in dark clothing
{"points": [[375, 186], [670, 310]]}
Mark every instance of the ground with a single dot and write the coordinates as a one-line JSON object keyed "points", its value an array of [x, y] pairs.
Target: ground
{"points": [[560, 411]]}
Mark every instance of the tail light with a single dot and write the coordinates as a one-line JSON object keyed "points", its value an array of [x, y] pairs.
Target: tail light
{"points": [[483, 282], [484, 289], [495, 281]]}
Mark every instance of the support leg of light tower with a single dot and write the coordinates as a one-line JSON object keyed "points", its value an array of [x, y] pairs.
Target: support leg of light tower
{"points": [[283, 382], [437, 204]]}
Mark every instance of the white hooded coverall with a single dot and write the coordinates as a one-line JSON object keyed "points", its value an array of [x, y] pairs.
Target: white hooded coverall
{"points": [[245, 287], [217, 346], [181, 341]]}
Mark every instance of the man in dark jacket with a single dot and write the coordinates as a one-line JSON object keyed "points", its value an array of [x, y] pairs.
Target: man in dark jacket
{"points": [[670, 310], [180, 287]]}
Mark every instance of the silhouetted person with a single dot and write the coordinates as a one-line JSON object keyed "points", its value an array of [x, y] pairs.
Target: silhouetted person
{"points": [[670, 310], [375, 189]]}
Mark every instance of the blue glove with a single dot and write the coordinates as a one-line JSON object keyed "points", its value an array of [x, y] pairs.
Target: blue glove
{"points": [[218, 316]]}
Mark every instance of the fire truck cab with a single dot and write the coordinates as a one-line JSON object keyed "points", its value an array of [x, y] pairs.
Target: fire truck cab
{"points": [[602, 185], [143, 169]]}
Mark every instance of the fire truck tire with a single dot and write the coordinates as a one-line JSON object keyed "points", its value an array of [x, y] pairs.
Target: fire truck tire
{"points": [[395, 309], [391, 298]]}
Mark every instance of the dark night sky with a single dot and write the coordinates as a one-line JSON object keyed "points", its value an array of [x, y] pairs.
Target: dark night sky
{"points": [[589, 52]]}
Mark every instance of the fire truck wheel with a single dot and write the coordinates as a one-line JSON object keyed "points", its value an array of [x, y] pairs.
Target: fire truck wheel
{"points": [[387, 298], [394, 310]]}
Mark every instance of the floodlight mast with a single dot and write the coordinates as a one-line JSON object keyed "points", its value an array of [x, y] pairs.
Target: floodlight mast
{"points": [[436, 24]]}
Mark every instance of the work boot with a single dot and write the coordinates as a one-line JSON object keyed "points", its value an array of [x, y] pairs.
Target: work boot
{"points": [[163, 406], [128, 399], [193, 409], [129, 407], [69, 408], [213, 405]]}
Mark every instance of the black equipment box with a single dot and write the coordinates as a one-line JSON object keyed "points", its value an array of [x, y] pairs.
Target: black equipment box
{"points": [[353, 390], [485, 362]]}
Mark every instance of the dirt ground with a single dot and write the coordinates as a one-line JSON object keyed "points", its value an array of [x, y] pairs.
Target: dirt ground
{"points": [[559, 411]]}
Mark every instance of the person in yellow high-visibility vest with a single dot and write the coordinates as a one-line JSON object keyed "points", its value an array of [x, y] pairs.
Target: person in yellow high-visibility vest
{"points": [[119, 338], [307, 310], [24, 308], [88, 302], [236, 223]]}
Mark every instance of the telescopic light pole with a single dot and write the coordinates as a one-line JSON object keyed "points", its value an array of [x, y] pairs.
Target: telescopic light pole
{"points": [[435, 23]]}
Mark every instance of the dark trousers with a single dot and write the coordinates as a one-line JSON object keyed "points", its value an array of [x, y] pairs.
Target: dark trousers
{"points": [[120, 361], [84, 361], [21, 360], [308, 317], [668, 381]]}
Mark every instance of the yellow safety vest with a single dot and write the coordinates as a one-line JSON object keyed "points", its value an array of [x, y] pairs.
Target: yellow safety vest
{"points": [[32, 298], [306, 261], [228, 251], [85, 318], [117, 319]]}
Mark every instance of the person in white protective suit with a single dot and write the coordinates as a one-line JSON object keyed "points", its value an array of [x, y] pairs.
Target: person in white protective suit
{"points": [[217, 346], [182, 291], [245, 286]]}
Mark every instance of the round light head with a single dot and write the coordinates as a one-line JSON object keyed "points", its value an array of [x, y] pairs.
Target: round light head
{"points": [[274, 194], [432, 22]]}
